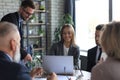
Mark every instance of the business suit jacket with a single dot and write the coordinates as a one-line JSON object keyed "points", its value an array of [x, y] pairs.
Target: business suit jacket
{"points": [[10, 70], [91, 58], [108, 70], [58, 49], [14, 18]]}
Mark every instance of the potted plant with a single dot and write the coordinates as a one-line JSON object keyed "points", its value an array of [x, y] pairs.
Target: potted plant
{"points": [[40, 0], [32, 18], [40, 21], [42, 7], [36, 62], [36, 44], [66, 19], [40, 32]]}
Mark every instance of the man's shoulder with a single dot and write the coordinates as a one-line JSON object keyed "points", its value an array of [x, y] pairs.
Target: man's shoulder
{"points": [[9, 15], [12, 65], [93, 48], [14, 71]]}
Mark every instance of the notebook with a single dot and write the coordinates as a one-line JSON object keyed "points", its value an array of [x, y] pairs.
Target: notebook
{"points": [[62, 65]]}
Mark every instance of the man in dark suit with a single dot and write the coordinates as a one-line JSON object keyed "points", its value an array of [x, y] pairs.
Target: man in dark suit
{"points": [[25, 11], [10, 55], [94, 53]]}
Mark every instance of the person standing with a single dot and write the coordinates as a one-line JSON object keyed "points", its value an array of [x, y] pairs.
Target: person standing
{"points": [[94, 53], [25, 11]]}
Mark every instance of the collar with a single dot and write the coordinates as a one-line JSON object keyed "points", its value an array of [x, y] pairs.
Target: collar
{"points": [[99, 46], [20, 18], [9, 57], [5, 56]]}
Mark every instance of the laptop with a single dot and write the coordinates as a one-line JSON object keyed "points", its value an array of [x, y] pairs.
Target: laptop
{"points": [[61, 65]]}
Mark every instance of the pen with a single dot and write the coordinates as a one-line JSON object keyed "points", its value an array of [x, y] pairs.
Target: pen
{"points": [[66, 73]]}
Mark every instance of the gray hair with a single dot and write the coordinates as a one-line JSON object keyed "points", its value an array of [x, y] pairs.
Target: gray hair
{"points": [[6, 28]]}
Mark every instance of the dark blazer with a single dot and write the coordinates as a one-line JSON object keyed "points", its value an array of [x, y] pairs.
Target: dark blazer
{"points": [[57, 49], [14, 18], [91, 58], [10, 70]]}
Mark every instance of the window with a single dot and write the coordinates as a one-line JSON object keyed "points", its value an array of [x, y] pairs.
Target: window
{"points": [[116, 10], [89, 13]]}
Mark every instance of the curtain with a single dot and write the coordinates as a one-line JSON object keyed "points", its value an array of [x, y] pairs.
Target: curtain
{"points": [[70, 9]]}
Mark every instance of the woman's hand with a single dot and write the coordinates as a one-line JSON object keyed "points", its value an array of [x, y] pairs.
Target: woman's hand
{"points": [[101, 60]]}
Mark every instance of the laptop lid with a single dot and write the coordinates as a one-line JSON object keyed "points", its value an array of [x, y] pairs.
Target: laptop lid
{"points": [[58, 64]]}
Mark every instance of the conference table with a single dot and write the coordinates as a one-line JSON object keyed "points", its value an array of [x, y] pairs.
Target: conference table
{"points": [[78, 75]]}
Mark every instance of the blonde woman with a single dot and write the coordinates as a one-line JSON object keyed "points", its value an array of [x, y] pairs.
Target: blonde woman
{"points": [[110, 42], [67, 46]]}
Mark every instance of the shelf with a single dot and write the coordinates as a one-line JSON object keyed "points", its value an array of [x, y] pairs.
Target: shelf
{"points": [[40, 11], [36, 49], [37, 36], [32, 27], [38, 0], [33, 24]]}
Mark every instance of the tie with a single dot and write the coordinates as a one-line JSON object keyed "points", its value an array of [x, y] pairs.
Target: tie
{"points": [[21, 32], [100, 51], [98, 54]]}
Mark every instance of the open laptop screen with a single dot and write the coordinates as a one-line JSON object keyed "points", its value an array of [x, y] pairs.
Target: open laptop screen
{"points": [[58, 64]]}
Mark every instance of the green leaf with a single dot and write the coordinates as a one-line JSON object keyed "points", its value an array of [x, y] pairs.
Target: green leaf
{"points": [[66, 19]]}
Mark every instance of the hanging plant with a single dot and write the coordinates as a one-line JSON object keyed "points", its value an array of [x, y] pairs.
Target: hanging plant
{"points": [[42, 7], [32, 18]]}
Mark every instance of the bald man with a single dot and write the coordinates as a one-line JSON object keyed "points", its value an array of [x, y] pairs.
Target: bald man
{"points": [[10, 55]]}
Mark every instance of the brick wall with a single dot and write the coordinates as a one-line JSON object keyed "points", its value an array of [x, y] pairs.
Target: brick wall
{"points": [[7, 6], [55, 12]]}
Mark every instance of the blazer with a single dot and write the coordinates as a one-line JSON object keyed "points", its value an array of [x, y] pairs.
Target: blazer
{"points": [[108, 70], [14, 18], [91, 58], [58, 49], [10, 70]]}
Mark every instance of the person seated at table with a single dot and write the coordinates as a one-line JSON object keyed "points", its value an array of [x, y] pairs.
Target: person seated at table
{"points": [[94, 53], [10, 69], [110, 42], [66, 46]]}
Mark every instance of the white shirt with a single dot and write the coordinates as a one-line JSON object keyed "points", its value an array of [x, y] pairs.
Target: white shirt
{"points": [[9, 57], [104, 56], [66, 51]]}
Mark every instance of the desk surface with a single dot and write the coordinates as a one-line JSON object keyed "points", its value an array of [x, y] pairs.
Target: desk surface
{"points": [[86, 76]]}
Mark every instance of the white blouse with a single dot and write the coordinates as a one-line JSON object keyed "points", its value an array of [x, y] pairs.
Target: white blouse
{"points": [[66, 50]]}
